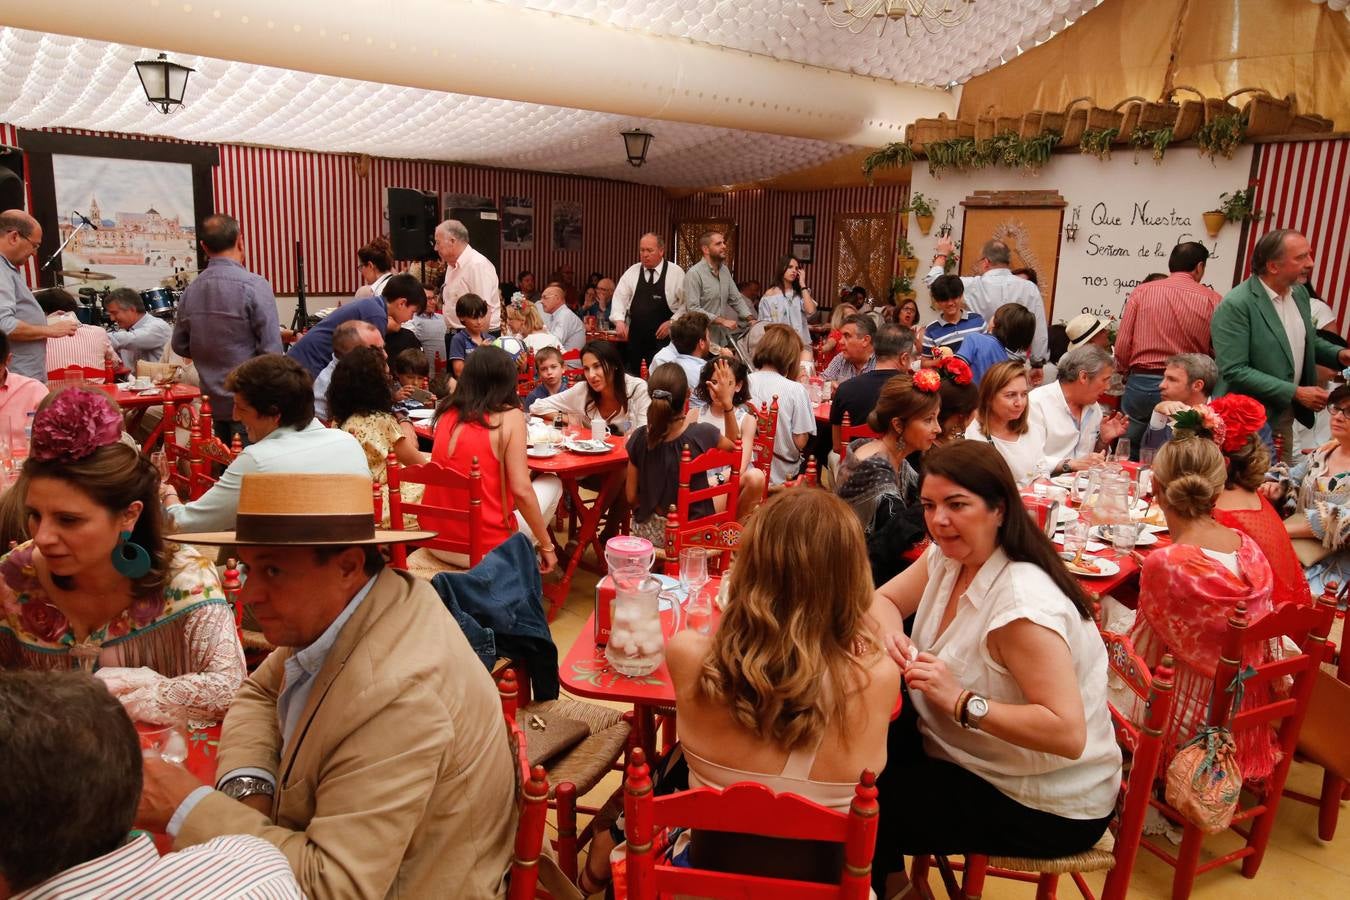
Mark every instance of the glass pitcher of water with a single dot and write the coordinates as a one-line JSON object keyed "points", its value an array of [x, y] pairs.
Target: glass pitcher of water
{"points": [[637, 643]]}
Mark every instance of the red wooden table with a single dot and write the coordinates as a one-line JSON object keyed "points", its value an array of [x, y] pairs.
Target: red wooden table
{"points": [[137, 402], [203, 748], [571, 468], [823, 413]]}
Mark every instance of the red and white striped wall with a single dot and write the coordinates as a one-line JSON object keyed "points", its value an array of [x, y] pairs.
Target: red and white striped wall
{"points": [[1305, 185]]}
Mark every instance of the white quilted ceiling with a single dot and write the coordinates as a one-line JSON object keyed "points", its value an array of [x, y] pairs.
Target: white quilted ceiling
{"points": [[51, 80], [796, 30]]}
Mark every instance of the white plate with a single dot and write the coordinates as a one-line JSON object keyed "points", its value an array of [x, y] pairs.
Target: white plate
{"points": [[1145, 539], [1066, 514], [543, 451], [421, 414], [588, 447], [1107, 568]]}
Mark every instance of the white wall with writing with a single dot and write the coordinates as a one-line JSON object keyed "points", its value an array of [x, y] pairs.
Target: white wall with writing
{"points": [[1130, 217]]}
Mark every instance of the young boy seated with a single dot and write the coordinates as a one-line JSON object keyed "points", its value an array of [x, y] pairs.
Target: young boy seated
{"points": [[548, 368], [411, 368], [473, 315]]}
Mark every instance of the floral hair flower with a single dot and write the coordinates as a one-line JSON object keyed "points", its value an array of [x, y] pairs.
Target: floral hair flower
{"points": [[956, 369], [1242, 417], [927, 381], [74, 425], [1200, 421]]}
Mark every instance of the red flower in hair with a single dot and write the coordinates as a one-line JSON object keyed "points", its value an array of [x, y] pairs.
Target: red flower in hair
{"points": [[927, 381], [956, 368], [1242, 417]]}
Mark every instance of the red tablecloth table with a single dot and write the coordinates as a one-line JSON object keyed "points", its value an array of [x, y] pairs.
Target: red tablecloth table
{"points": [[203, 748], [823, 413], [137, 402]]}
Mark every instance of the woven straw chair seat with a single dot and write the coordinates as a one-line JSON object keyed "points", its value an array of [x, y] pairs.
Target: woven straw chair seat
{"points": [[421, 564], [1098, 858], [586, 763]]}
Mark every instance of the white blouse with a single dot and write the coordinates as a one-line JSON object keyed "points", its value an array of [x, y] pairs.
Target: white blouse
{"points": [[1002, 592], [575, 403], [1024, 456]]}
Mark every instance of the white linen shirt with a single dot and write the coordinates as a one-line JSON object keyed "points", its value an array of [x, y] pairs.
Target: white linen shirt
{"points": [[1286, 310], [1024, 456], [628, 281], [1053, 427], [1001, 593], [575, 403], [986, 293], [472, 273]]}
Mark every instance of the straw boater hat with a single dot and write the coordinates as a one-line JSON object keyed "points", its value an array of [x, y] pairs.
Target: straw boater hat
{"points": [[1082, 328], [278, 508]]}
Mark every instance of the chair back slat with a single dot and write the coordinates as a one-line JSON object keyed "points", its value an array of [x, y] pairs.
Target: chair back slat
{"points": [[679, 525], [470, 542]]}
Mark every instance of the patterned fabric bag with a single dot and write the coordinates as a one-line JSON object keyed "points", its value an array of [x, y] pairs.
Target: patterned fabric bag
{"points": [[1204, 779]]}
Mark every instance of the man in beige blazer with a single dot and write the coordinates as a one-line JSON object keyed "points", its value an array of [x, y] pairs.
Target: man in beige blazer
{"points": [[370, 747]]}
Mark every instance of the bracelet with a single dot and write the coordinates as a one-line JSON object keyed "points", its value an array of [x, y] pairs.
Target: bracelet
{"points": [[963, 719], [959, 711]]}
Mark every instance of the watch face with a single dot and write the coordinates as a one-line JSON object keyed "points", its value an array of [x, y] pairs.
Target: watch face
{"points": [[978, 708]]}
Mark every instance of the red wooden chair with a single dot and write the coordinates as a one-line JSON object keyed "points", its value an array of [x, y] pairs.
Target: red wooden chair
{"points": [[849, 432], [572, 360], [532, 796], [719, 531], [256, 647], [1317, 742], [105, 375], [525, 377], [1255, 817], [468, 542], [1118, 848], [766, 431], [746, 808]]}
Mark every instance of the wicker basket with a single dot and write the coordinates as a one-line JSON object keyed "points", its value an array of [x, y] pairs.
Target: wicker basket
{"points": [[984, 124], [1129, 118], [1270, 115], [928, 131], [1190, 115], [1309, 123], [1075, 122], [1216, 107], [1031, 124], [1159, 114], [1007, 123], [1053, 121], [965, 129]]}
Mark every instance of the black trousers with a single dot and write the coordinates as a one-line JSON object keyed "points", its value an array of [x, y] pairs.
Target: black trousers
{"points": [[934, 806]]}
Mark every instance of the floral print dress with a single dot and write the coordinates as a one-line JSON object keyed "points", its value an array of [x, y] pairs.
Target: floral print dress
{"points": [[172, 658], [378, 433]]}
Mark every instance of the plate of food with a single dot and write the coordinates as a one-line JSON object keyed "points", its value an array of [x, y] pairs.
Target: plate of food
{"points": [[542, 451], [589, 446], [1092, 567], [421, 415], [1152, 517]]}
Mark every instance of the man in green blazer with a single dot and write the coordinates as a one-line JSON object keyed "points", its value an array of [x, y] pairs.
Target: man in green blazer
{"points": [[1264, 340]]}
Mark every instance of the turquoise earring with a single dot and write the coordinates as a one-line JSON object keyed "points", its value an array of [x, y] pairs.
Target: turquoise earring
{"points": [[129, 558]]}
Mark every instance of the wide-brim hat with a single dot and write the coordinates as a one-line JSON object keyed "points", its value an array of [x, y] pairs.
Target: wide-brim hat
{"points": [[310, 510], [1083, 328]]}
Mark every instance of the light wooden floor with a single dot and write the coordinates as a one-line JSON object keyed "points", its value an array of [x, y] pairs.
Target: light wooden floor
{"points": [[1297, 865]]}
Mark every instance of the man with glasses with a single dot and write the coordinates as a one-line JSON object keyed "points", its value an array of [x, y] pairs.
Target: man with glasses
{"points": [[993, 285], [21, 318]]}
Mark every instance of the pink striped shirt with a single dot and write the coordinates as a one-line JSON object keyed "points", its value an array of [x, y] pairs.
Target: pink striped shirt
{"points": [[89, 346], [234, 867], [1163, 318]]}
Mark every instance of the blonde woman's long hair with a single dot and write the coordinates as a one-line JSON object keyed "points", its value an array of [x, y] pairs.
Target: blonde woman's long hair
{"points": [[783, 658]]}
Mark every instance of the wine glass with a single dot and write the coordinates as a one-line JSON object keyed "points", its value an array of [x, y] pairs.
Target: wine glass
{"points": [[1075, 537], [693, 570], [698, 612], [1122, 453]]}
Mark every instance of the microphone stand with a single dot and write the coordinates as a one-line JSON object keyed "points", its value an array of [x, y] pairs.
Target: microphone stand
{"points": [[51, 259]]}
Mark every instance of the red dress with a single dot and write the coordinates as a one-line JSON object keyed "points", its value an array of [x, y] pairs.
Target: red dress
{"points": [[499, 522], [1265, 527]]}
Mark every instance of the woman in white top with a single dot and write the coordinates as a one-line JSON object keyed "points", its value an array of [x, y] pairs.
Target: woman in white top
{"points": [[777, 363], [1007, 675], [788, 301], [607, 392], [1001, 419]]}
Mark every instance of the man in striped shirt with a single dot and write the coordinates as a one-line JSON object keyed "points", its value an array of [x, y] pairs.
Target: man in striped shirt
{"points": [[72, 780], [954, 321], [1162, 319], [88, 347]]}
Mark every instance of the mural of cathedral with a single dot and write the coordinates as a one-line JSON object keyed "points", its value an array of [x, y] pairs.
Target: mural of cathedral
{"points": [[131, 239]]}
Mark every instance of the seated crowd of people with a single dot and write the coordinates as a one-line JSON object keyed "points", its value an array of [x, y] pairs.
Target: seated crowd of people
{"points": [[366, 755]]}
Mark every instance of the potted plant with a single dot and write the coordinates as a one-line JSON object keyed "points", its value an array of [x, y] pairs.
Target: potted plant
{"points": [[1154, 139], [1237, 206], [892, 156], [1097, 142], [909, 263], [902, 289], [1036, 150], [922, 208], [1221, 135]]}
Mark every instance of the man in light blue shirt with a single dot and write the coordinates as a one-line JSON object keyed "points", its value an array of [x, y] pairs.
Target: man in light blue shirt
{"points": [[20, 315], [688, 348], [143, 337], [348, 337], [560, 321]]}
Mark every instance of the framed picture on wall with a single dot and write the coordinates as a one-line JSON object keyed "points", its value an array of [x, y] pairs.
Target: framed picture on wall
{"points": [[804, 251], [804, 228]]}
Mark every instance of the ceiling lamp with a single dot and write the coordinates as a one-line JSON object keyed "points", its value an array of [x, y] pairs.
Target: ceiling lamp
{"points": [[164, 82], [933, 15], [635, 143]]}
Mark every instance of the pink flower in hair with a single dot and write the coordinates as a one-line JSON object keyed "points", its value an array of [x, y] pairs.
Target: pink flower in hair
{"points": [[74, 425]]}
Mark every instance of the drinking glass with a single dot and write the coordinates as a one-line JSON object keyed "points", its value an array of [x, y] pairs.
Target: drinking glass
{"points": [[1146, 455], [1124, 535], [693, 570], [1122, 453], [168, 742], [698, 611], [1075, 536]]}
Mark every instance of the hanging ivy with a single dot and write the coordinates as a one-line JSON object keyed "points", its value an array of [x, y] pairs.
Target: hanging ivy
{"points": [[892, 156], [1097, 142]]}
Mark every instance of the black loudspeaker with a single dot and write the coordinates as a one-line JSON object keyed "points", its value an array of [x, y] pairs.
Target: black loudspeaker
{"points": [[11, 178], [485, 232], [412, 223]]}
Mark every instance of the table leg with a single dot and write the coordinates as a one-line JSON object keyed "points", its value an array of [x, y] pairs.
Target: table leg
{"points": [[587, 529]]}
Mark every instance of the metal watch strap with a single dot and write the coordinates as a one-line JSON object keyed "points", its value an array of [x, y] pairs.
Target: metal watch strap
{"points": [[241, 786]]}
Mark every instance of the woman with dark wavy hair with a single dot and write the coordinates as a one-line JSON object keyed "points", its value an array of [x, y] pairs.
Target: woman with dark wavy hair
{"points": [[98, 588]]}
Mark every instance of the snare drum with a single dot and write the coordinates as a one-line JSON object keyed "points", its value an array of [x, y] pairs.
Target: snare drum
{"points": [[158, 302]]}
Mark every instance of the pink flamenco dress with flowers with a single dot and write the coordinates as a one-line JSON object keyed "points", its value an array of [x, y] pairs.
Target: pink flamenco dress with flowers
{"points": [[172, 656]]}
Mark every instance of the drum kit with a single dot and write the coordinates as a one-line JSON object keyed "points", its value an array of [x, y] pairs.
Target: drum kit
{"points": [[159, 302]]}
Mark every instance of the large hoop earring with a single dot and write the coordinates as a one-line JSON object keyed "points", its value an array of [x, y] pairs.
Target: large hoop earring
{"points": [[129, 558]]}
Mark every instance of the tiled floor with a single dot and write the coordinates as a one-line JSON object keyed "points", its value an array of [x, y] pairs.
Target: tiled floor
{"points": [[1297, 865]]}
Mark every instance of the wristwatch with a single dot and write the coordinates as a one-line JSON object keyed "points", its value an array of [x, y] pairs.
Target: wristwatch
{"points": [[241, 786], [974, 711]]}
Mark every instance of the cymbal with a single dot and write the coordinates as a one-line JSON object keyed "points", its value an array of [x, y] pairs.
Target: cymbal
{"points": [[84, 275]]}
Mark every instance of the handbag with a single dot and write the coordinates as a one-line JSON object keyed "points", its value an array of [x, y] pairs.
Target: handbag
{"points": [[1204, 780]]}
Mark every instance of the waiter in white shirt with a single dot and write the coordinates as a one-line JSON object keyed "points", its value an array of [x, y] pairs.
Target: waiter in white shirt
{"points": [[649, 295], [995, 285], [466, 272]]}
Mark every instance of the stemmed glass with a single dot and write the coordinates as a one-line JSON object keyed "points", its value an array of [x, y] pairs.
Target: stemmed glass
{"points": [[693, 576], [1122, 453]]}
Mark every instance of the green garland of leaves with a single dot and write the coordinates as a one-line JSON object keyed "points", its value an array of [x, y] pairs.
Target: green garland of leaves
{"points": [[1154, 139], [1221, 135], [892, 156]]}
